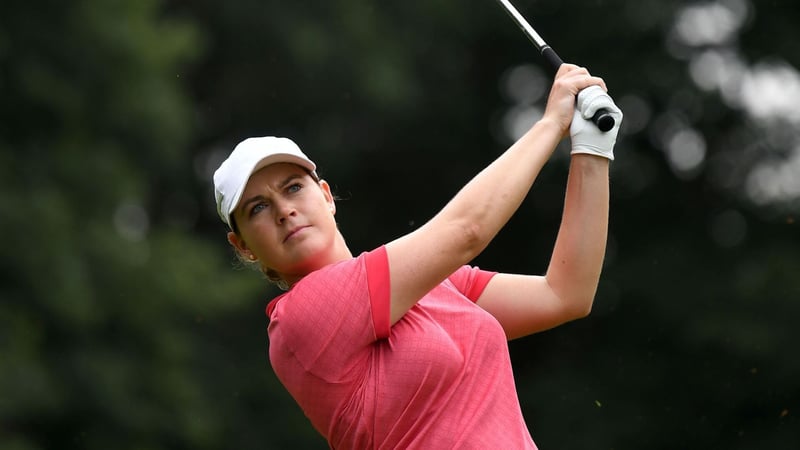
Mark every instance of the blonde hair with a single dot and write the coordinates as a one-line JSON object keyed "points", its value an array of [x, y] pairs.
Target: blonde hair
{"points": [[270, 274]]}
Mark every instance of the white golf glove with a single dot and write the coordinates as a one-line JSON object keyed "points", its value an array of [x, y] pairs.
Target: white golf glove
{"points": [[585, 136]]}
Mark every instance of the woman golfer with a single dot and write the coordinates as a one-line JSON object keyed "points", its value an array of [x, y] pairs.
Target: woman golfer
{"points": [[405, 346]]}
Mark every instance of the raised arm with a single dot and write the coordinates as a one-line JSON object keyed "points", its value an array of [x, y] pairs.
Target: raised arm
{"points": [[525, 304], [464, 227]]}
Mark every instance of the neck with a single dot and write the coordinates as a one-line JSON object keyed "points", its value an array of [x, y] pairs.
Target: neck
{"points": [[339, 252]]}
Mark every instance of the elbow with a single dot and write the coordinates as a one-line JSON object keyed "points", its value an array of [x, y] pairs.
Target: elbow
{"points": [[472, 237], [577, 293], [576, 299], [585, 309], [580, 308]]}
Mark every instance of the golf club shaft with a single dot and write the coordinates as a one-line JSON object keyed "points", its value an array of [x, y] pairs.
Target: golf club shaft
{"points": [[547, 52], [601, 118]]}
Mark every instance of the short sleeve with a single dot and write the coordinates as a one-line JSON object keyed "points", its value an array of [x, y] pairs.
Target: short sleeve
{"points": [[377, 263], [471, 281]]}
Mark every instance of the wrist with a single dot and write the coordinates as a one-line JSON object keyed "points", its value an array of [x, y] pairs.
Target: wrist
{"points": [[590, 161], [550, 127]]}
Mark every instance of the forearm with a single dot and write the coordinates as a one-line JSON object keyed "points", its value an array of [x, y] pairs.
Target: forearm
{"points": [[577, 260], [488, 201]]}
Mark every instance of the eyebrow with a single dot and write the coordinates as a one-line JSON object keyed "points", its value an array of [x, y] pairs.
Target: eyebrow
{"points": [[281, 185]]}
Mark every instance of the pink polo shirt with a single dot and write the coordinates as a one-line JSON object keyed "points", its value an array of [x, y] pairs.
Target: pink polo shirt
{"points": [[440, 378]]}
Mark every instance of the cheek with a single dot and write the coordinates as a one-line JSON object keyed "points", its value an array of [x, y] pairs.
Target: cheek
{"points": [[261, 240], [328, 219]]}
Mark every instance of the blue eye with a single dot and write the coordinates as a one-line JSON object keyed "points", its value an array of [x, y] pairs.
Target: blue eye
{"points": [[257, 208], [294, 188]]}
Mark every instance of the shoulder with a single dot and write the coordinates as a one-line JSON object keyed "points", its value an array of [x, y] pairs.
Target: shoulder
{"points": [[348, 279]]}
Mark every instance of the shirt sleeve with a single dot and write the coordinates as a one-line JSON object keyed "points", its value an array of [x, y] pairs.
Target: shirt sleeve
{"points": [[471, 281], [377, 264]]}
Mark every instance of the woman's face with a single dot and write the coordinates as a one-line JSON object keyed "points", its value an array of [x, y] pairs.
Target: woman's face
{"points": [[285, 220]]}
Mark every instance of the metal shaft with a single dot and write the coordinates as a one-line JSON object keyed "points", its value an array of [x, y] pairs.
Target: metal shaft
{"points": [[547, 52], [524, 25]]}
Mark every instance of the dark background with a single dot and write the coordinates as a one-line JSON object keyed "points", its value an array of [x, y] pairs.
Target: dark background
{"points": [[125, 322]]}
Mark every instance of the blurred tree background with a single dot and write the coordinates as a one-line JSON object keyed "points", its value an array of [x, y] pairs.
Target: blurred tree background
{"points": [[126, 324]]}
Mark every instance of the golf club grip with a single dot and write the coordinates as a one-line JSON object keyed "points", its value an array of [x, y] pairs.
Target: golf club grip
{"points": [[552, 58], [601, 118]]}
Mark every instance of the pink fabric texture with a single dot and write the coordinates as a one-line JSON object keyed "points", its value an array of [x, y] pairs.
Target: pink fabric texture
{"points": [[440, 378]]}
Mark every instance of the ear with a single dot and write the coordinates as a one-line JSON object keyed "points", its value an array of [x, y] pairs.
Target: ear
{"points": [[326, 191], [239, 244]]}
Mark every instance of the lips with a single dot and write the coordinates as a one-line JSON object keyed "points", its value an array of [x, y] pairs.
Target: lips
{"points": [[294, 231]]}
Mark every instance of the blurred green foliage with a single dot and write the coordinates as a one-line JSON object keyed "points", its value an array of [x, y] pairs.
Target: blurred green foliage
{"points": [[125, 323]]}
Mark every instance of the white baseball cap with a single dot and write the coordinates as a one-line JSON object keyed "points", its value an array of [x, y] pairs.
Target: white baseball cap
{"points": [[247, 157]]}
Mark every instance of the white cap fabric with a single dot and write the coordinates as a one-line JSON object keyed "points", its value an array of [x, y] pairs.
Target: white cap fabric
{"points": [[247, 157]]}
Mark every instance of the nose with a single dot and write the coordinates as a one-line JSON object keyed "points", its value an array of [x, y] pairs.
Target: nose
{"points": [[284, 210]]}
